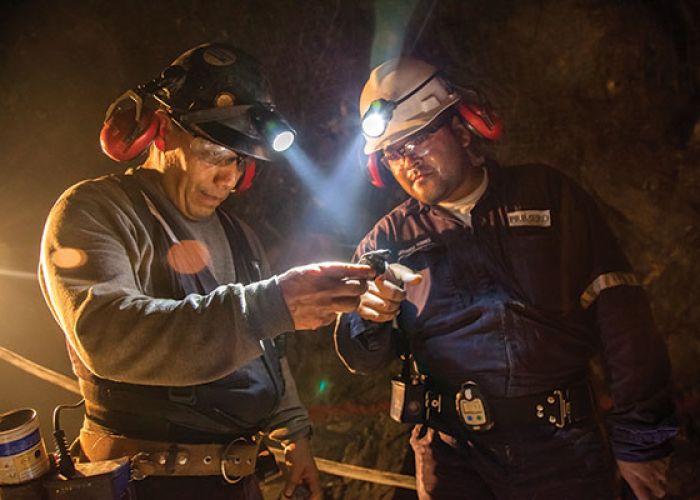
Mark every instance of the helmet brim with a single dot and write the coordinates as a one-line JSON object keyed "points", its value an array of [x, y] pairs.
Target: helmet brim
{"points": [[230, 127], [233, 139]]}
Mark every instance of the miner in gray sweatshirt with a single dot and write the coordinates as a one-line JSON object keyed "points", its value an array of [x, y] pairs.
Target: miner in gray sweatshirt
{"points": [[171, 316]]}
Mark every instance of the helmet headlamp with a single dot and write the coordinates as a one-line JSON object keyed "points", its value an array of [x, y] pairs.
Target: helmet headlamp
{"points": [[377, 117], [272, 126]]}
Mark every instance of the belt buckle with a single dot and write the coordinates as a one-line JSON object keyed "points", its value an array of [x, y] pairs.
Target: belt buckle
{"points": [[141, 466], [145, 464], [562, 409]]}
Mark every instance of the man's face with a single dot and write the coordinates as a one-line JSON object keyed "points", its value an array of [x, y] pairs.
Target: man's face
{"points": [[430, 165], [200, 175]]}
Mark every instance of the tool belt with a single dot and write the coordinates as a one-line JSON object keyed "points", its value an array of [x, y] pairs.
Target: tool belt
{"points": [[454, 413], [232, 461]]}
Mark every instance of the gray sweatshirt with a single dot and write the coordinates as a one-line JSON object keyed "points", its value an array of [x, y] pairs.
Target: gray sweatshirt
{"points": [[95, 273]]}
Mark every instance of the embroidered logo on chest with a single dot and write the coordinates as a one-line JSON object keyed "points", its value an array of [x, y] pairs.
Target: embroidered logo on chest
{"points": [[420, 245], [540, 218]]}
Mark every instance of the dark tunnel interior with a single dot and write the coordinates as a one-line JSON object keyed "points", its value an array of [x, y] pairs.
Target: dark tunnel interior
{"points": [[607, 91]]}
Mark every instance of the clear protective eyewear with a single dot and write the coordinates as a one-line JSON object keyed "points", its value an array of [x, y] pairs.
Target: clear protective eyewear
{"points": [[416, 146], [214, 154]]}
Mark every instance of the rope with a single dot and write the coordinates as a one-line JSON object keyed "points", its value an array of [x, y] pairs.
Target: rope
{"points": [[39, 371], [357, 472], [324, 465]]}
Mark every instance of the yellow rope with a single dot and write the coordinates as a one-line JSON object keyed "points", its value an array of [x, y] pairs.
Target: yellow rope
{"points": [[39, 371], [357, 472]]}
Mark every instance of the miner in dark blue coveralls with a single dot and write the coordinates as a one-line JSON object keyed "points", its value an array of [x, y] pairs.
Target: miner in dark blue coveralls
{"points": [[516, 283]]}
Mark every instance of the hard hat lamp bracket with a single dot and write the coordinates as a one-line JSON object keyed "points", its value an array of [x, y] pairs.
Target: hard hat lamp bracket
{"points": [[272, 126], [380, 111]]}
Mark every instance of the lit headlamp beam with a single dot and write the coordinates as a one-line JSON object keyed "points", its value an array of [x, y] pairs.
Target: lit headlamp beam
{"points": [[341, 191], [306, 169], [338, 192]]}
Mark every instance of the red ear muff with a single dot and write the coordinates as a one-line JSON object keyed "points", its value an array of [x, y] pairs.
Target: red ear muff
{"points": [[122, 137], [246, 180], [374, 170], [159, 140], [482, 122]]}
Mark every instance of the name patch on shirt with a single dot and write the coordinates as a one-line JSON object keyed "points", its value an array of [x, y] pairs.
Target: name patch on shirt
{"points": [[420, 245], [540, 218]]}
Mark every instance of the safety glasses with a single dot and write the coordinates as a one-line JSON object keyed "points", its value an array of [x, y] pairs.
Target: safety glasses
{"points": [[414, 146], [214, 154]]}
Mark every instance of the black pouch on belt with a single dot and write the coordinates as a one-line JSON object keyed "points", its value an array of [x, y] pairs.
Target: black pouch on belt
{"points": [[266, 468], [408, 393]]}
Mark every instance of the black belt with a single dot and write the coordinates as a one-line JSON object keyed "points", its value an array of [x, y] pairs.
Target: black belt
{"points": [[153, 413], [558, 408]]}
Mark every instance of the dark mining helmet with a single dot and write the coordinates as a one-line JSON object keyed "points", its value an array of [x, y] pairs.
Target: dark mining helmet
{"points": [[214, 91]]}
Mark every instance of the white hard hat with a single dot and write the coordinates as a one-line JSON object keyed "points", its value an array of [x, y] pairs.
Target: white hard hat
{"points": [[400, 97]]}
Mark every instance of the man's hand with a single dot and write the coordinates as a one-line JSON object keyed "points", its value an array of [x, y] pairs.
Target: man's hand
{"points": [[384, 295], [647, 479], [316, 293], [302, 469]]}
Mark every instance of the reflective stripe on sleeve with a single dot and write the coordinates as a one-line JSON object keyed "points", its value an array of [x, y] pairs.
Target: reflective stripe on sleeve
{"points": [[603, 282]]}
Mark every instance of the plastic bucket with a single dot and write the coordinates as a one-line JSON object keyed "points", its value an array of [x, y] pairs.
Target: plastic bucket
{"points": [[22, 451]]}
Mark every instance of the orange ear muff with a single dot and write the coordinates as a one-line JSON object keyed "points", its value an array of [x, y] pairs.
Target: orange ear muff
{"points": [[122, 137], [246, 180], [484, 123]]}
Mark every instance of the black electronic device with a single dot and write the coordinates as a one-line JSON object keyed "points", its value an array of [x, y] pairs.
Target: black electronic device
{"points": [[407, 401], [376, 259]]}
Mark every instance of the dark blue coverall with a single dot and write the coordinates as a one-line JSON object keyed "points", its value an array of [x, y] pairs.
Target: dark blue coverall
{"points": [[519, 303]]}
